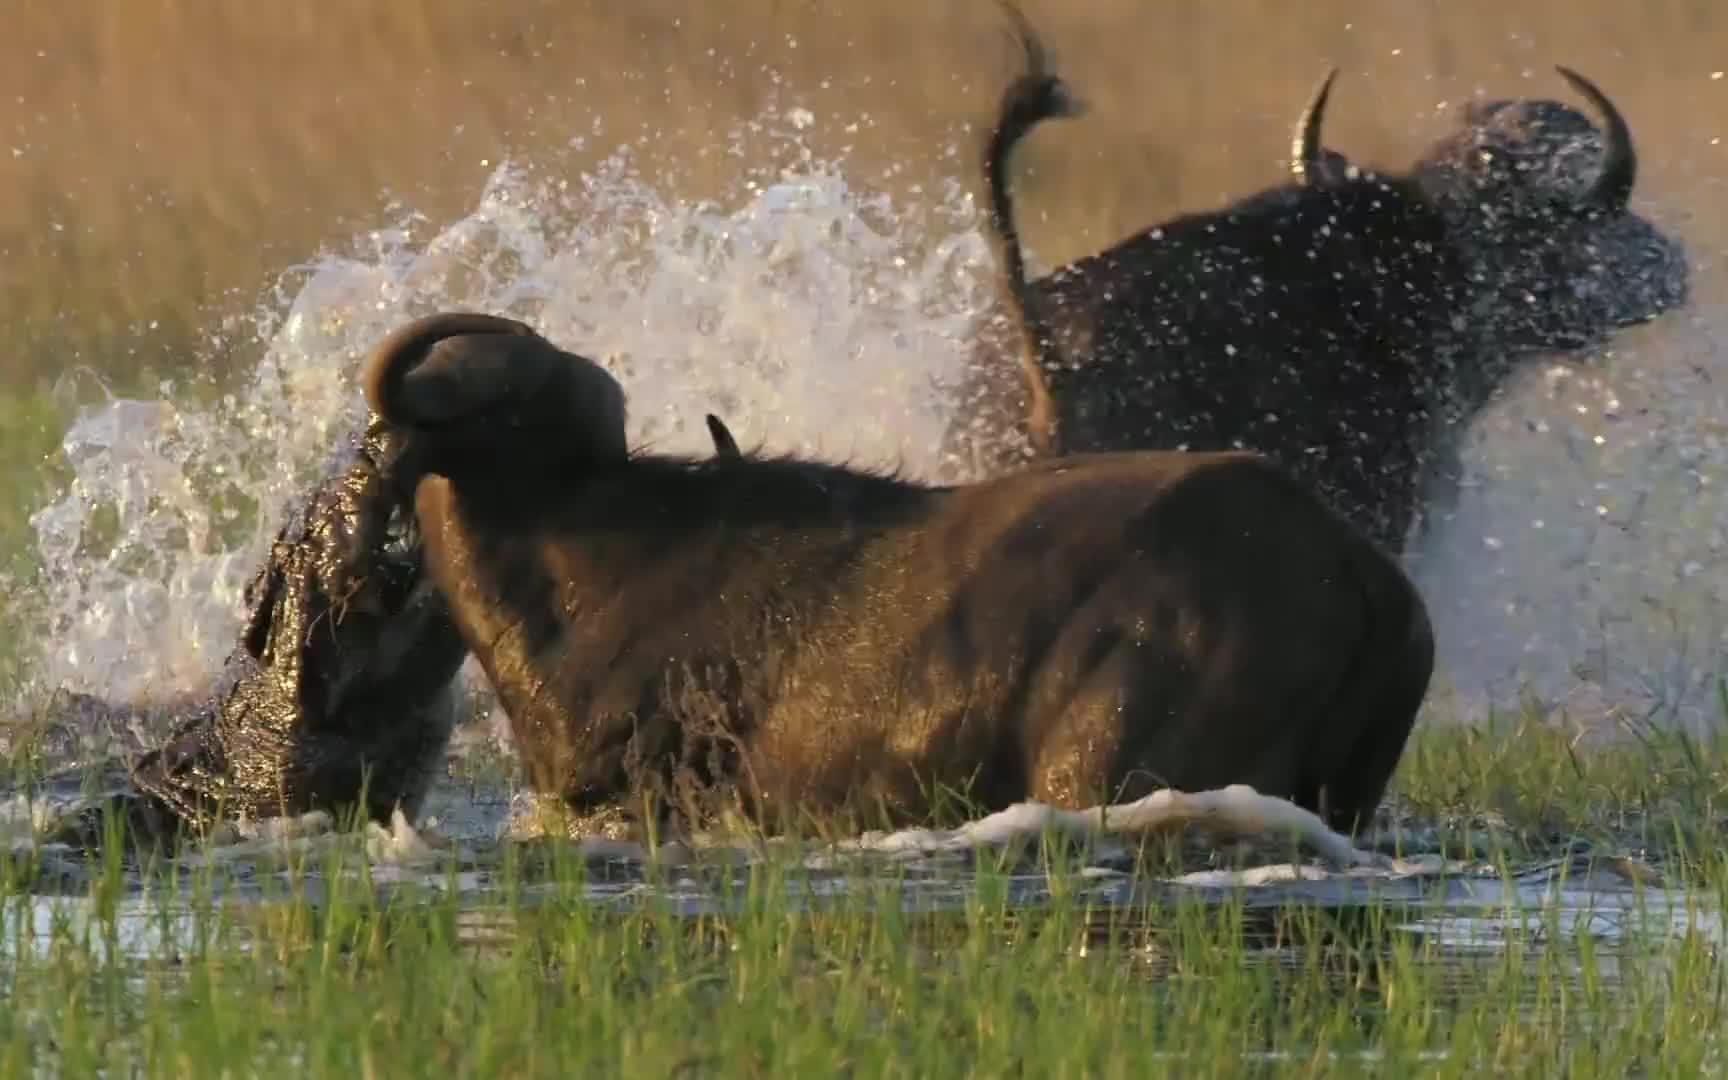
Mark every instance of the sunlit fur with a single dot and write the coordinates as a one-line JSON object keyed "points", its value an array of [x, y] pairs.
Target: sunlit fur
{"points": [[808, 638]]}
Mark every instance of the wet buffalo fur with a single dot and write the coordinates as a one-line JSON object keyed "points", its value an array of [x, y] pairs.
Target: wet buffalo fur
{"points": [[1348, 323], [792, 638]]}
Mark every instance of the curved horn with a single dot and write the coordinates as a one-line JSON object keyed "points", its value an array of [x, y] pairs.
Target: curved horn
{"points": [[435, 373], [1307, 159], [725, 446], [406, 346], [1613, 189]]}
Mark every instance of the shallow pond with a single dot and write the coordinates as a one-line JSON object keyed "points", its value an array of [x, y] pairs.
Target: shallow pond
{"points": [[468, 852]]}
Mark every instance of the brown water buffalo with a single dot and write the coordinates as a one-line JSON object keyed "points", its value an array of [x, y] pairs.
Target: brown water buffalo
{"points": [[793, 637], [339, 695], [1348, 324]]}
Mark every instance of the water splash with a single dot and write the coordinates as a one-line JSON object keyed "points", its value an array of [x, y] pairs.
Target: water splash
{"points": [[815, 314], [813, 317], [1586, 563]]}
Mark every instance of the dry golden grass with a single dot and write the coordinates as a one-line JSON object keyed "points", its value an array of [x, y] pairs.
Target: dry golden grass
{"points": [[163, 158]]}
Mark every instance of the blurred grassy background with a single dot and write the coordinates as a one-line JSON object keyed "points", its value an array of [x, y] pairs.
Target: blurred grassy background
{"points": [[161, 160]]}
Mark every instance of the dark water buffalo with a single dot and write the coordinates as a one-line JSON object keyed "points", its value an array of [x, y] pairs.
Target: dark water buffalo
{"points": [[340, 693], [809, 638], [1348, 324]]}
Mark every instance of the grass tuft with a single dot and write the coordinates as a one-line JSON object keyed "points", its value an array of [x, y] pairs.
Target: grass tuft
{"points": [[566, 970]]}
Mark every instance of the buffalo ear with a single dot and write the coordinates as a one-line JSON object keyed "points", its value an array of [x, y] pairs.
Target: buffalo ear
{"points": [[598, 411]]}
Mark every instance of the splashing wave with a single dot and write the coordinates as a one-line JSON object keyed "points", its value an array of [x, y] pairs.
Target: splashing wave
{"points": [[816, 316]]}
